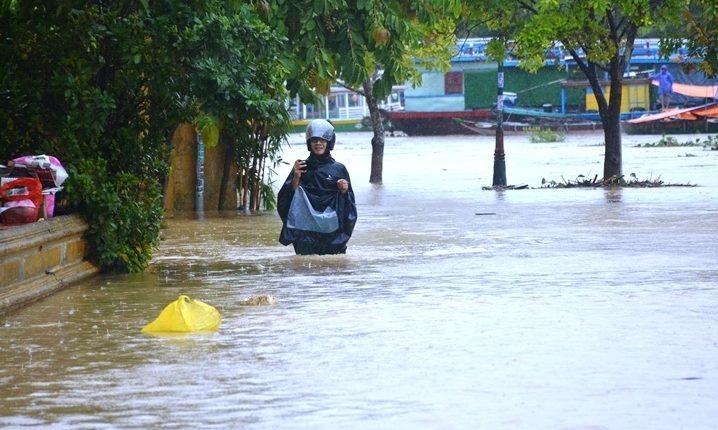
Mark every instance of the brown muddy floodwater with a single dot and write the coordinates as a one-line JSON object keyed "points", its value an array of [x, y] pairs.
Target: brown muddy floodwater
{"points": [[454, 308]]}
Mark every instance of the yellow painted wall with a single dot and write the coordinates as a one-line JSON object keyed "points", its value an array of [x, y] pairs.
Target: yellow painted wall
{"points": [[179, 185], [634, 95], [41, 258], [179, 192]]}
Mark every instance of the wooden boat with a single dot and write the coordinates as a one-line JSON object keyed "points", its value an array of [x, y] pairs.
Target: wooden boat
{"points": [[698, 119], [516, 120], [524, 120], [513, 127], [414, 123]]}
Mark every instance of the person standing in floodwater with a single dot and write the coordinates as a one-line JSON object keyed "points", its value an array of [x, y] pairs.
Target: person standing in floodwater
{"points": [[316, 202], [665, 87]]}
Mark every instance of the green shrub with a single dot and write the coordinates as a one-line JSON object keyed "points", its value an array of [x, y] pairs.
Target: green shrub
{"points": [[670, 141], [124, 213], [546, 135]]}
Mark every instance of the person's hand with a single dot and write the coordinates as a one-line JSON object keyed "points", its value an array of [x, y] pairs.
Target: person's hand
{"points": [[343, 185], [300, 166]]}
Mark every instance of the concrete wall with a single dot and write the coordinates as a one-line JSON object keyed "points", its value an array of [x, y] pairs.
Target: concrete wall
{"points": [[41, 258]]}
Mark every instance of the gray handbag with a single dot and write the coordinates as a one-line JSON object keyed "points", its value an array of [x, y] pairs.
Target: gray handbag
{"points": [[302, 216]]}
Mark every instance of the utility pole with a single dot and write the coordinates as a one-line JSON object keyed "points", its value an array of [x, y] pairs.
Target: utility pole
{"points": [[499, 155], [199, 184]]}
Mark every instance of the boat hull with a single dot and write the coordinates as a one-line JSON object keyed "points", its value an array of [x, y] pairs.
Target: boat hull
{"points": [[511, 127], [483, 122], [677, 126], [436, 123]]}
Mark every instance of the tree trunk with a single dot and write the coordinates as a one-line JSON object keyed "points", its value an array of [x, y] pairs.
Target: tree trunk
{"points": [[609, 109], [377, 142], [612, 160]]}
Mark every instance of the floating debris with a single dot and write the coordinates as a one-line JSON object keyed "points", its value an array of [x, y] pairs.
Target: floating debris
{"points": [[506, 187], [612, 182], [260, 300]]}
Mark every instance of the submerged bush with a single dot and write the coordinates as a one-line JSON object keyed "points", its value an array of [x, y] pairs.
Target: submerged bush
{"points": [[670, 141], [545, 135]]}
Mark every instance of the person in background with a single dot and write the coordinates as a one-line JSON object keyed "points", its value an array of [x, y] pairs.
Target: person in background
{"points": [[316, 202], [665, 86]]}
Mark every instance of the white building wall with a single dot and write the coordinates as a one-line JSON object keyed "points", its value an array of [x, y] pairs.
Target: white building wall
{"points": [[430, 97]]}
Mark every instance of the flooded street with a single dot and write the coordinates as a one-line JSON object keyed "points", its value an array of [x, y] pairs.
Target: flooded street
{"points": [[454, 308]]}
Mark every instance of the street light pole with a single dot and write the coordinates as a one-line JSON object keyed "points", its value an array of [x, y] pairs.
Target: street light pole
{"points": [[499, 155]]}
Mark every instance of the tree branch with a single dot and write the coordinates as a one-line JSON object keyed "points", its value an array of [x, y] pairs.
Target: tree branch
{"points": [[358, 91], [529, 7]]}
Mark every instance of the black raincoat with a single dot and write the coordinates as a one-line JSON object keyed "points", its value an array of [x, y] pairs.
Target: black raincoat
{"points": [[319, 183]]}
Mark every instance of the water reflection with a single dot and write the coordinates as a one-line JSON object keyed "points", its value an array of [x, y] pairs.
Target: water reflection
{"points": [[613, 195], [564, 308]]}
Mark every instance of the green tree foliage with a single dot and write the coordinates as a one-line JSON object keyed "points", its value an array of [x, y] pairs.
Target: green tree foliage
{"points": [[368, 45], [696, 27], [339, 40], [599, 36], [239, 80], [102, 85]]}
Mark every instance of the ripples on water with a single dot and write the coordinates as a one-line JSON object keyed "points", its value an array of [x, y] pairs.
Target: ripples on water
{"points": [[455, 308]]}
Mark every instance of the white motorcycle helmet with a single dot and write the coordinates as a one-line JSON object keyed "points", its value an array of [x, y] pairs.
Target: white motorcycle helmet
{"points": [[322, 129]]}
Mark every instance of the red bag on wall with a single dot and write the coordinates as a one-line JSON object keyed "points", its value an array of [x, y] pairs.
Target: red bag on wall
{"points": [[20, 201]]}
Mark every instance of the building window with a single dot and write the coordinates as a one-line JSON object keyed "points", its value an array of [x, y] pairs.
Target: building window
{"points": [[454, 83]]}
